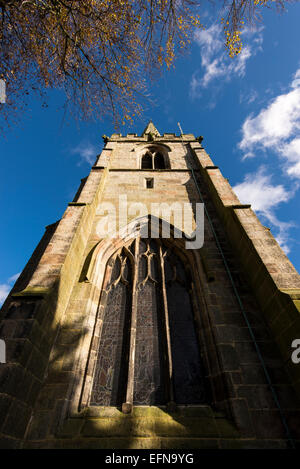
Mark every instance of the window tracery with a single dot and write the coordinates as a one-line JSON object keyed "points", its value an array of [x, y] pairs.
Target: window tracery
{"points": [[146, 349]]}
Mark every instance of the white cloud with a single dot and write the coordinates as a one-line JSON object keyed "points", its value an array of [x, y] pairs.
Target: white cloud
{"points": [[291, 151], [4, 291], [277, 128], [257, 189], [215, 60], [86, 151], [13, 278], [210, 38], [6, 287]]}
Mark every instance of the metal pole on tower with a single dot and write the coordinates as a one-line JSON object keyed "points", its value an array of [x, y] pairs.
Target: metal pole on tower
{"points": [[178, 123]]}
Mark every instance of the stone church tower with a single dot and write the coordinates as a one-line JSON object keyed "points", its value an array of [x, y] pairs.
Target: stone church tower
{"points": [[132, 340]]}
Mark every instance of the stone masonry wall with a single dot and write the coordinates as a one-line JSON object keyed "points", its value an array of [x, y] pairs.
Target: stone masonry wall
{"points": [[57, 303]]}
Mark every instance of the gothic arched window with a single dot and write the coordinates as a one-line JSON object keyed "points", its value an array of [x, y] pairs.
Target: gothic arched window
{"points": [[153, 159], [147, 161], [145, 346], [159, 162]]}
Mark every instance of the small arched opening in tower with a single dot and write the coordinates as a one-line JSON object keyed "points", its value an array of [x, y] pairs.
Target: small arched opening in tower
{"points": [[147, 161], [159, 161]]}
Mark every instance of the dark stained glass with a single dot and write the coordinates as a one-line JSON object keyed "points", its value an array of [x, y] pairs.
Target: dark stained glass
{"points": [[150, 386], [149, 383], [143, 245], [149, 379], [110, 379], [143, 268], [187, 369]]}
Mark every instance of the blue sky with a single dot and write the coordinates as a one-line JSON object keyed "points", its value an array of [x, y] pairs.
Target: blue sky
{"points": [[247, 109]]}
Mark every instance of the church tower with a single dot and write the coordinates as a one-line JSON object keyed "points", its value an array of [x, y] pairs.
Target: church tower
{"points": [[158, 312]]}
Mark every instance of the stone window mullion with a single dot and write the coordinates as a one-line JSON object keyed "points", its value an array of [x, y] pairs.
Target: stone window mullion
{"points": [[127, 405], [171, 397]]}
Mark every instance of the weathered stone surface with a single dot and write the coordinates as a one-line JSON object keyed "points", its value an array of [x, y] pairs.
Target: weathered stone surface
{"points": [[17, 420]]}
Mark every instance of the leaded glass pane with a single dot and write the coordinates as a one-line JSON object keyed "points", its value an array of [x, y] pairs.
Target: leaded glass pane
{"points": [[187, 368], [149, 373], [110, 379], [150, 386]]}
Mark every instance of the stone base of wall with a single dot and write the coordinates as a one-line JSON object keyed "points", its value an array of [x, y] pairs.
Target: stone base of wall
{"points": [[152, 428]]}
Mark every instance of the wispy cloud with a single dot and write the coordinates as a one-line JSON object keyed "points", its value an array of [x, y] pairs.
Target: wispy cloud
{"points": [[6, 287], [265, 197], [249, 97], [86, 151], [13, 278], [216, 64], [277, 128]]}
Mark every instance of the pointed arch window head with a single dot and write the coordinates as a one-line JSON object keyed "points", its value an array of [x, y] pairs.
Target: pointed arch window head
{"points": [[154, 159], [145, 349]]}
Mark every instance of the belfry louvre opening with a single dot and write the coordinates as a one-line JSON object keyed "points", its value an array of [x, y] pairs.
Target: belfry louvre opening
{"points": [[148, 349]]}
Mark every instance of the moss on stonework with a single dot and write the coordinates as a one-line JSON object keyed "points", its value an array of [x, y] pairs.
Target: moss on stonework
{"points": [[33, 291], [184, 424]]}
